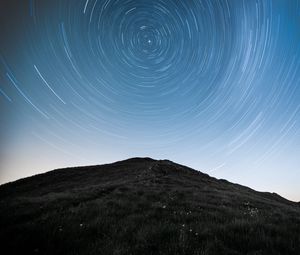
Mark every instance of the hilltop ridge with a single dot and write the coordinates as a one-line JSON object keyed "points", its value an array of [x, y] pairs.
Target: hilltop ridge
{"points": [[143, 206]]}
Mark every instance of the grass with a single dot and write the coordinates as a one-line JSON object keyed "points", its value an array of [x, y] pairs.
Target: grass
{"points": [[143, 206]]}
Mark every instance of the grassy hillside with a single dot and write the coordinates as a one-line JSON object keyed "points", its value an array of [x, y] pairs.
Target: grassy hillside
{"points": [[143, 206]]}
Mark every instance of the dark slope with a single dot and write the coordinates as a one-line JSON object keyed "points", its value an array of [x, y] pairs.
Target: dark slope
{"points": [[143, 206]]}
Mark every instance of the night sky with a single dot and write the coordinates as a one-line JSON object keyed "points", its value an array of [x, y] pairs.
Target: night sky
{"points": [[212, 84]]}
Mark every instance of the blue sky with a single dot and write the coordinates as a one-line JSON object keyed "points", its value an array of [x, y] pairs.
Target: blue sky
{"points": [[210, 84]]}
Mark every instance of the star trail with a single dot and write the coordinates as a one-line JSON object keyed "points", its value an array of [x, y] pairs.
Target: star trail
{"points": [[213, 84]]}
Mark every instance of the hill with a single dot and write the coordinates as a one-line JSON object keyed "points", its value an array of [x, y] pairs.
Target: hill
{"points": [[143, 206]]}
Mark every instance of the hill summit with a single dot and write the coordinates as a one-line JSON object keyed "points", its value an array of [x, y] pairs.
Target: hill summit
{"points": [[143, 206]]}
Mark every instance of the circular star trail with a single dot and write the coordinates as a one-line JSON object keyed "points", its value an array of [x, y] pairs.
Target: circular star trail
{"points": [[213, 84], [158, 60]]}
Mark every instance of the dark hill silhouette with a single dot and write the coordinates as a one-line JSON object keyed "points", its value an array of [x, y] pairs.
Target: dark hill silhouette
{"points": [[143, 206]]}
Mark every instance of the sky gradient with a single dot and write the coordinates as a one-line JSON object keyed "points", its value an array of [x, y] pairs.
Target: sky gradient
{"points": [[211, 84]]}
